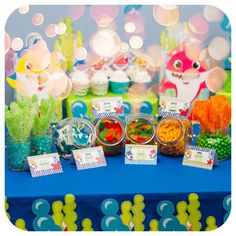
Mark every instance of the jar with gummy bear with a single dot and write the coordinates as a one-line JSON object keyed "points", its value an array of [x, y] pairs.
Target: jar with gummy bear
{"points": [[173, 134], [73, 133], [140, 129], [110, 135]]}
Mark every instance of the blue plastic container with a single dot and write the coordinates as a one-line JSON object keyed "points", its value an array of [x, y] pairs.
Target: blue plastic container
{"points": [[119, 87]]}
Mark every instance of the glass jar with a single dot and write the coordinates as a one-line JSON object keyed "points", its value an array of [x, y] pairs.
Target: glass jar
{"points": [[73, 133], [140, 129], [173, 135], [219, 140], [18, 151], [110, 135], [41, 143]]}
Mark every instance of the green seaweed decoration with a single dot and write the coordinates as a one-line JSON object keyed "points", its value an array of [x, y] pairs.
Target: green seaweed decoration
{"points": [[45, 117], [20, 117], [67, 42]]}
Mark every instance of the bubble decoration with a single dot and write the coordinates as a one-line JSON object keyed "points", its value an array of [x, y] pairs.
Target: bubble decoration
{"points": [[166, 15], [50, 30], [17, 44], [136, 42], [81, 53], [198, 24], [219, 48], [134, 21], [76, 11], [10, 62], [7, 42], [105, 43], [193, 50], [213, 14], [23, 9], [104, 15], [179, 31], [216, 78], [38, 19], [60, 28], [129, 27], [124, 47]]}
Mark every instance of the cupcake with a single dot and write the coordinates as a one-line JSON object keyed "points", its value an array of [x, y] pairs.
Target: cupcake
{"points": [[99, 82], [141, 77], [119, 82], [80, 82]]}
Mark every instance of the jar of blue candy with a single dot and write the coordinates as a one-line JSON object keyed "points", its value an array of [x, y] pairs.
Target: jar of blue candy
{"points": [[73, 133], [18, 151], [41, 142]]}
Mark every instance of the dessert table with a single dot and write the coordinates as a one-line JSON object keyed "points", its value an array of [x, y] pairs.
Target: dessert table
{"points": [[168, 180]]}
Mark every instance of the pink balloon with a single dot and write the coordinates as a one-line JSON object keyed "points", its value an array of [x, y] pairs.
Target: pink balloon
{"points": [[38, 19], [7, 42], [10, 62], [76, 12], [198, 24], [104, 15], [137, 19], [50, 30]]}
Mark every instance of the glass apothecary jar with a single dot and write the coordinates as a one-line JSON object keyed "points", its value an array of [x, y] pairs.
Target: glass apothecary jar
{"points": [[140, 129], [110, 135], [173, 134], [73, 133], [18, 151], [41, 142], [218, 140]]}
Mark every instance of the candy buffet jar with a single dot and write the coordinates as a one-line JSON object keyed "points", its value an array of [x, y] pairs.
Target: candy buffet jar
{"points": [[41, 143], [73, 133], [18, 151], [218, 140], [173, 135], [110, 135], [140, 129]]}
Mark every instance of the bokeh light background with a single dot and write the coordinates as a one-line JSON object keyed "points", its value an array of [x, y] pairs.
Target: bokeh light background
{"points": [[20, 25]]}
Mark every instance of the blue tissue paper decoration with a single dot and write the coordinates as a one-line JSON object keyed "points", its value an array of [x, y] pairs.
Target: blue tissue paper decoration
{"points": [[43, 221], [145, 107], [129, 8]]}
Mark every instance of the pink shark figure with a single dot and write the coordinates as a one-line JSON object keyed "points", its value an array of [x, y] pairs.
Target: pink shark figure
{"points": [[187, 77]]}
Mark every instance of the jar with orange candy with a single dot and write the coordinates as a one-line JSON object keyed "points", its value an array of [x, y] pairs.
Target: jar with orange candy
{"points": [[110, 135], [214, 116], [173, 134]]}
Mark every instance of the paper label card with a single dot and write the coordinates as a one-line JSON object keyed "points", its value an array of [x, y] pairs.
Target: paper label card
{"points": [[88, 158], [47, 164], [200, 157], [171, 106], [141, 154], [111, 106]]}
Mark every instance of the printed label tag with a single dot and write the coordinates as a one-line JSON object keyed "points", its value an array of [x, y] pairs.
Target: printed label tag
{"points": [[200, 157], [47, 164], [141, 154], [112, 106], [171, 106], [88, 158]]}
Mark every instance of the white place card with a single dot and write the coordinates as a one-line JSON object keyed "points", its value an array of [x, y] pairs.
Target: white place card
{"points": [[110, 106], [200, 157], [141, 154], [42, 165], [171, 106], [88, 158]]}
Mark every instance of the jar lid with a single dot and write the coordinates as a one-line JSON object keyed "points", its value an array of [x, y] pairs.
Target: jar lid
{"points": [[110, 131], [82, 133], [140, 128], [170, 130]]}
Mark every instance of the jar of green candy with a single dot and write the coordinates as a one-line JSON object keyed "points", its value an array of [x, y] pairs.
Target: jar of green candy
{"points": [[219, 141], [41, 143], [18, 151], [73, 133]]}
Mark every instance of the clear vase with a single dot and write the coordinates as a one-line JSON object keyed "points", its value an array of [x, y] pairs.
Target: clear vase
{"points": [[18, 151], [41, 143], [218, 140]]}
